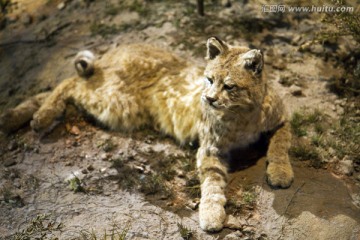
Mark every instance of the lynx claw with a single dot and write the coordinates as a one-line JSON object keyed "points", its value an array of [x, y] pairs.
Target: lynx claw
{"points": [[279, 175]]}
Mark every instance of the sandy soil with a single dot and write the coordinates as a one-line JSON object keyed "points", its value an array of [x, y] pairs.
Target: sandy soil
{"points": [[139, 182]]}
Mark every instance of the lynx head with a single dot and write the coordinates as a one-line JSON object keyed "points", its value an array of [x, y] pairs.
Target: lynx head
{"points": [[233, 78]]}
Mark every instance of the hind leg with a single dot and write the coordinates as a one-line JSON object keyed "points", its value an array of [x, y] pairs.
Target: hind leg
{"points": [[12, 119]]}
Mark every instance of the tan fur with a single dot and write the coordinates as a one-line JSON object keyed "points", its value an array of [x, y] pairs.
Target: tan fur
{"points": [[229, 108]]}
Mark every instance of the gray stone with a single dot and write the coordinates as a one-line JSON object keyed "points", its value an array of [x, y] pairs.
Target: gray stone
{"points": [[61, 6], [234, 222], [9, 162], [295, 90], [12, 18], [279, 64], [103, 49], [233, 236], [13, 145], [345, 166], [26, 19], [340, 110], [193, 204], [317, 49], [297, 40], [226, 3]]}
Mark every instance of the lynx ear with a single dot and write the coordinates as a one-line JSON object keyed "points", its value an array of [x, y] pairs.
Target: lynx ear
{"points": [[215, 47], [254, 60]]}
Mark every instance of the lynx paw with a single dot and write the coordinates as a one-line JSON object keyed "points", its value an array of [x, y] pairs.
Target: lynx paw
{"points": [[41, 121], [212, 216], [279, 175]]}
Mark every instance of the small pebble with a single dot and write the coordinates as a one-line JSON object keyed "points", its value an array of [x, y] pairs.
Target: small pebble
{"points": [[26, 19], [13, 145], [61, 6], [193, 204], [295, 90], [75, 130], [9, 162], [346, 167], [90, 168], [105, 156]]}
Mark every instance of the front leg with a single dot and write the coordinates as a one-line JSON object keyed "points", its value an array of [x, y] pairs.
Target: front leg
{"points": [[279, 171], [213, 174]]}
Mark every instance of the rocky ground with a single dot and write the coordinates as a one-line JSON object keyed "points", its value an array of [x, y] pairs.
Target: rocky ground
{"points": [[84, 182]]}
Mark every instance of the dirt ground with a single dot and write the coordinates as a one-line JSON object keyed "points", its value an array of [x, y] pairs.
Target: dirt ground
{"points": [[81, 181]]}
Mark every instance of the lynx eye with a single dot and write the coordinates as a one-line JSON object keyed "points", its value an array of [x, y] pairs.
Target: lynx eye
{"points": [[210, 80], [229, 87]]}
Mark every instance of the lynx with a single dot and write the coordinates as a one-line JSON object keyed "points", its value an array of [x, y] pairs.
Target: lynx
{"points": [[225, 106]]}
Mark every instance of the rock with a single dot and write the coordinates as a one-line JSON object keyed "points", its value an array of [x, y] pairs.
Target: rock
{"points": [[193, 204], [331, 151], [90, 168], [209, 29], [345, 166], [61, 6], [357, 69], [181, 46], [69, 163], [9, 162], [84, 171], [110, 172], [41, 18], [184, 21], [295, 90], [17, 183], [317, 49], [180, 174], [105, 156], [358, 177], [103, 49], [13, 145], [75, 130], [340, 110], [286, 80], [233, 236], [338, 101], [234, 222], [105, 136], [249, 229], [26, 19], [12, 18], [279, 64], [226, 3], [3, 21], [127, 18], [356, 199], [297, 40]]}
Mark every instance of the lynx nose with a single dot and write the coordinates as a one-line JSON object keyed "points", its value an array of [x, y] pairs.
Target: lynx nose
{"points": [[210, 99]]}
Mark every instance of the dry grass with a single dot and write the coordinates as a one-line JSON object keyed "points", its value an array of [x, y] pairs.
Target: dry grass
{"points": [[318, 138]]}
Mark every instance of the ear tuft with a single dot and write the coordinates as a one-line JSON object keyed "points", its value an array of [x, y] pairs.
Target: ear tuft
{"points": [[254, 60], [215, 47]]}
